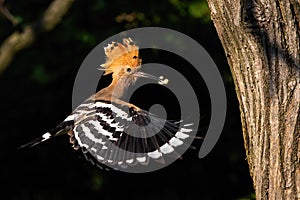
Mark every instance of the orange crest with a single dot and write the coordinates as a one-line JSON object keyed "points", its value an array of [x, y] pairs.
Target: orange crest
{"points": [[119, 55]]}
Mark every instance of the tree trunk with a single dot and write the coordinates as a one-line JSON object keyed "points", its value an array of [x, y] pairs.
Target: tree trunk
{"points": [[261, 39]]}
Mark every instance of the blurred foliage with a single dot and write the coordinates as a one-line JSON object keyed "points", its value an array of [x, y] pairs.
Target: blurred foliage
{"points": [[195, 9], [250, 196], [39, 86]]}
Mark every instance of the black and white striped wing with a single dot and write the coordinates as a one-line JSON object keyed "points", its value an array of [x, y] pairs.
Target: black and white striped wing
{"points": [[118, 135]]}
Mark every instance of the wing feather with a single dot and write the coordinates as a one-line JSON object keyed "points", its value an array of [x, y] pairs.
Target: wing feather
{"points": [[118, 135]]}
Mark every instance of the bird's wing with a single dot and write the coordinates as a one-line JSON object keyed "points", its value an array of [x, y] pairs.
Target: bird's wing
{"points": [[115, 134]]}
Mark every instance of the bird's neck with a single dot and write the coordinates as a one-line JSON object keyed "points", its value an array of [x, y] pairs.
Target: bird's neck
{"points": [[117, 88]]}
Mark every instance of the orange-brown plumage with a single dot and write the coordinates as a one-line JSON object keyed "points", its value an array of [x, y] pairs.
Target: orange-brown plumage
{"points": [[120, 56], [123, 62]]}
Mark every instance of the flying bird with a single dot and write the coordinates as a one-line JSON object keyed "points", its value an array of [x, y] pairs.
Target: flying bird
{"points": [[112, 132]]}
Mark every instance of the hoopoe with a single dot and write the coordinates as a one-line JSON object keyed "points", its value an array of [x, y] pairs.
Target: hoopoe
{"points": [[114, 132]]}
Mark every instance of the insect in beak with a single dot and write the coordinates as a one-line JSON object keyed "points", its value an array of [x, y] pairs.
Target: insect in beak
{"points": [[160, 79]]}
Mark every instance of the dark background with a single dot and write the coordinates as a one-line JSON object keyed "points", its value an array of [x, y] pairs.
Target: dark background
{"points": [[36, 94]]}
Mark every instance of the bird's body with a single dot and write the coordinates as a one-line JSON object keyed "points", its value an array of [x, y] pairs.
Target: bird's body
{"points": [[114, 132]]}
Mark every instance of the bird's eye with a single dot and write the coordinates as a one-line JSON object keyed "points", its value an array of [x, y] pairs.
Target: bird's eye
{"points": [[134, 57], [128, 70]]}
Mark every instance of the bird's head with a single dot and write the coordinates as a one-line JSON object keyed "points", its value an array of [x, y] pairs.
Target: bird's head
{"points": [[122, 60]]}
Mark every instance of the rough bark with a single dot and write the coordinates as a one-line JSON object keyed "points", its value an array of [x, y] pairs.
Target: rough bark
{"points": [[19, 40], [261, 39]]}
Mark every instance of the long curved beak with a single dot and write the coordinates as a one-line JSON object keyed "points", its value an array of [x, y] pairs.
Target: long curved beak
{"points": [[160, 79]]}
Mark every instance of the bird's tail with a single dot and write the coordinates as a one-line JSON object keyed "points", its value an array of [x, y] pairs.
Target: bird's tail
{"points": [[60, 129], [36, 141]]}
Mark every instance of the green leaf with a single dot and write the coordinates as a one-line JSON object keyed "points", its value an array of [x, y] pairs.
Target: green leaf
{"points": [[199, 9], [40, 75]]}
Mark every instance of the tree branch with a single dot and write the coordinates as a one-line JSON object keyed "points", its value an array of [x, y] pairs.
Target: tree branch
{"points": [[6, 13], [20, 40]]}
